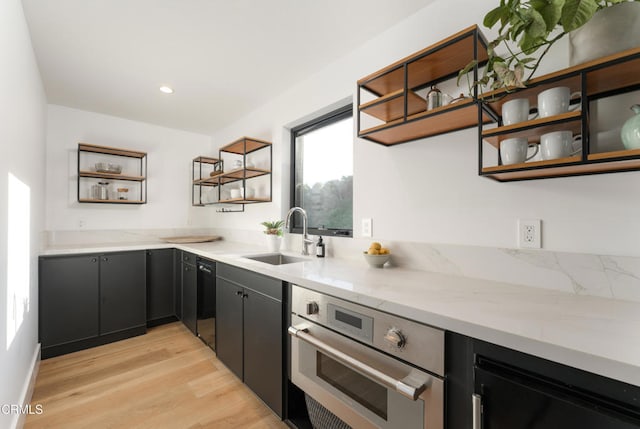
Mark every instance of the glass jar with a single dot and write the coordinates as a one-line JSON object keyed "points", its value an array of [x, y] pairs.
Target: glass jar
{"points": [[101, 191], [123, 193]]}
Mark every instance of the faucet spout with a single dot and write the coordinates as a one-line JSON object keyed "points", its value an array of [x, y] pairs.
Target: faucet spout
{"points": [[306, 241]]}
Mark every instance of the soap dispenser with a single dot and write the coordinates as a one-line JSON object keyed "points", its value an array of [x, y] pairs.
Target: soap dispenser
{"points": [[320, 247]]}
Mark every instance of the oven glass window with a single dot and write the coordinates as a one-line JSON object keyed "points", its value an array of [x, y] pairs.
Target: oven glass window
{"points": [[368, 393]]}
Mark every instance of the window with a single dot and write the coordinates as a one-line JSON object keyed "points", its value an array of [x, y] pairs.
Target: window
{"points": [[322, 162]]}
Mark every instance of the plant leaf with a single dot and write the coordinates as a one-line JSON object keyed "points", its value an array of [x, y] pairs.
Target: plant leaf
{"points": [[576, 13], [551, 11], [493, 16]]}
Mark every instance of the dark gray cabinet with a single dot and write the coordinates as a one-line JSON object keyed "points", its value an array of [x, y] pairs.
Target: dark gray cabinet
{"points": [[69, 299], [189, 291], [229, 325], [250, 331], [160, 286], [88, 300], [122, 291]]}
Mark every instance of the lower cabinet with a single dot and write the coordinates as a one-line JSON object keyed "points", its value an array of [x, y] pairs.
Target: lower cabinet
{"points": [[189, 282], [160, 286], [250, 331], [87, 300]]}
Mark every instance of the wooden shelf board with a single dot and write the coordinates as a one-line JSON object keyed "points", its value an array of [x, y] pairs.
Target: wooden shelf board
{"points": [[534, 164], [206, 160], [614, 154], [242, 173], [85, 147], [245, 200], [91, 200], [442, 61], [391, 107], [534, 128], [111, 176], [613, 78], [563, 170], [238, 146], [461, 115], [208, 181]]}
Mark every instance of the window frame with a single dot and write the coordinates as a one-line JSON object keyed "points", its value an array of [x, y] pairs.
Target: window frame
{"points": [[329, 118]]}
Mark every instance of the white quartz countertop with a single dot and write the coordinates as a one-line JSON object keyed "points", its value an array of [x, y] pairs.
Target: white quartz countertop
{"points": [[599, 335]]}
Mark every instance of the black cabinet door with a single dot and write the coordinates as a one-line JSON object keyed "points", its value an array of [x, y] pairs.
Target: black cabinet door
{"points": [[122, 291], [263, 348], [229, 325], [69, 299], [189, 296], [160, 284]]}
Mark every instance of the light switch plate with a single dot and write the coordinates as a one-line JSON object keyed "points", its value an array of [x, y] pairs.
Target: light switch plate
{"points": [[367, 227]]}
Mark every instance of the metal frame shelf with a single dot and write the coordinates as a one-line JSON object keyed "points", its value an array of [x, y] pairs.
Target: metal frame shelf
{"points": [[141, 177], [601, 78]]}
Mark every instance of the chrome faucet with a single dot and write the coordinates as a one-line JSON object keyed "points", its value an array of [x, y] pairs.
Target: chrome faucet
{"points": [[306, 241]]}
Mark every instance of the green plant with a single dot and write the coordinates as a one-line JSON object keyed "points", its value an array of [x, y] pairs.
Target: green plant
{"points": [[525, 28], [273, 228]]}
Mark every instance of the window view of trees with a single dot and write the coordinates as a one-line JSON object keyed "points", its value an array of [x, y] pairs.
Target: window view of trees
{"points": [[323, 172]]}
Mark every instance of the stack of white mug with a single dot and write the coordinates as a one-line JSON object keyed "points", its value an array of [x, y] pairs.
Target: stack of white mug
{"points": [[553, 145]]}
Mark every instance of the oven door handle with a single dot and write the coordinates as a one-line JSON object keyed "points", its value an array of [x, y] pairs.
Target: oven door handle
{"points": [[400, 386]]}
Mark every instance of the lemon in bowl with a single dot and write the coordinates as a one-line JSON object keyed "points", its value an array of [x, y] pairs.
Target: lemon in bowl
{"points": [[377, 255]]}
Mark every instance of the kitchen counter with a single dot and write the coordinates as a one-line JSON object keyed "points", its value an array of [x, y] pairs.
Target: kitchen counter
{"points": [[599, 335]]}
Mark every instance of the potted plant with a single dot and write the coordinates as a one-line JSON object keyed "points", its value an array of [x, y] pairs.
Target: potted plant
{"points": [[273, 230], [528, 27]]}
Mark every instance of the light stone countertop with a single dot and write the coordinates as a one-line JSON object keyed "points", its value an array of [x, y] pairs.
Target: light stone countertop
{"points": [[595, 334]]}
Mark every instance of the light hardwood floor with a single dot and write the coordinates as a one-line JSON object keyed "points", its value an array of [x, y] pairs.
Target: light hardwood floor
{"points": [[165, 379]]}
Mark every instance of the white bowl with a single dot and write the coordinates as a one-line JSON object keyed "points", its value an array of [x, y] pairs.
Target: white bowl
{"points": [[376, 261]]}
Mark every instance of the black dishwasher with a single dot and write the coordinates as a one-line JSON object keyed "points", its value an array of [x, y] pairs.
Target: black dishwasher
{"points": [[206, 303]]}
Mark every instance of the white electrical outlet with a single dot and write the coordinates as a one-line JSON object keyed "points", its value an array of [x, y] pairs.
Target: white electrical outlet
{"points": [[367, 227], [529, 233]]}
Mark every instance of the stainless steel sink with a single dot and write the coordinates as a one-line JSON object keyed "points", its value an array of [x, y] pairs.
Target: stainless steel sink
{"points": [[276, 259]]}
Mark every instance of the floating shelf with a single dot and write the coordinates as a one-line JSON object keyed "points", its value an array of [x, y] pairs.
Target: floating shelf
{"points": [[403, 111], [86, 176], [605, 77]]}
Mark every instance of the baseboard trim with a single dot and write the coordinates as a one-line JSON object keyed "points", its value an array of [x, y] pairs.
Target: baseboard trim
{"points": [[27, 390]]}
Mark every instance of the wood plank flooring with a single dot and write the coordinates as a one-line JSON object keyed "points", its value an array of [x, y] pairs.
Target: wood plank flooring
{"points": [[165, 379]]}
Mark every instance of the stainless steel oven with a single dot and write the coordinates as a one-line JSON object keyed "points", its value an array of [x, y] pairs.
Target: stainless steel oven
{"points": [[369, 368]]}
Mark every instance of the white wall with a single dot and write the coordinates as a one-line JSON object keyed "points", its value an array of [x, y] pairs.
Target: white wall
{"points": [[169, 155], [22, 109], [428, 190]]}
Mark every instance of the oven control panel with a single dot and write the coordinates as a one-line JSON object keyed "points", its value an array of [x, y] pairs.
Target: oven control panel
{"points": [[413, 342]]}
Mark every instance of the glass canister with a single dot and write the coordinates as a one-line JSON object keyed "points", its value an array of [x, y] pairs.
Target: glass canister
{"points": [[123, 193], [101, 191], [434, 98]]}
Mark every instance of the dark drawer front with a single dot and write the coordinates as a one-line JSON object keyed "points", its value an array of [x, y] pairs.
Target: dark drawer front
{"points": [[257, 282]]}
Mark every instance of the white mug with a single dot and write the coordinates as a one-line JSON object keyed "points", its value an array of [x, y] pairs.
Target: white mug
{"points": [[514, 150], [559, 144], [555, 101], [514, 111]]}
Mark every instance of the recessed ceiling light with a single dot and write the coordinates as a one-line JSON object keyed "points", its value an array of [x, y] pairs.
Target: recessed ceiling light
{"points": [[166, 89]]}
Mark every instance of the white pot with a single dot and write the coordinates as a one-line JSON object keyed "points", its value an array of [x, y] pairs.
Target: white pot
{"points": [[611, 30], [273, 242]]}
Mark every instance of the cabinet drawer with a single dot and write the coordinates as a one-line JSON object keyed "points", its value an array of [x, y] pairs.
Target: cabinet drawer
{"points": [[257, 282], [188, 258]]}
